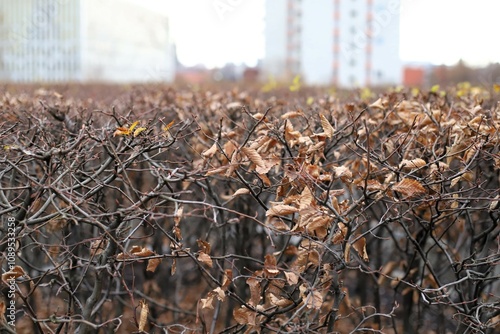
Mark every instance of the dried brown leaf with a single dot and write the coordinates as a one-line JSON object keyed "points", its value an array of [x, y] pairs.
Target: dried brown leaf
{"points": [[306, 198], [343, 173], [254, 285], [347, 251], [143, 318], [205, 258], [281, 210], [244, 316], [379, 104], [292, 114], [318, 226], [178, 215], [291, 278], [210, 152], [360, 247], [218, 170], [270, 267], [327, 127], [340, 235], [312, 297], [280, 302], [219, 293], [374, 185], [153, 264], [314, 300], [13, 273], [207, 303], [409, 187], [253, 156], [204, 246], [494, 203], [412, 164], [141, 252], [241, 191], [173, 269]]}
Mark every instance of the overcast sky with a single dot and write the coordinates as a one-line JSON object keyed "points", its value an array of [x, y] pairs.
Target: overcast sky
{"points": [[215, 32]]}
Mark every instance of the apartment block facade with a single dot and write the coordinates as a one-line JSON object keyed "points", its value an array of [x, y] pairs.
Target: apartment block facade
{"points": [[84, 41], [348, 43]]}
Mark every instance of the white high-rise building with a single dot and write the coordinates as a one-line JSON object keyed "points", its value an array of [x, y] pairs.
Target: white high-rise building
{"points": [[84, 41], [348, 43]]}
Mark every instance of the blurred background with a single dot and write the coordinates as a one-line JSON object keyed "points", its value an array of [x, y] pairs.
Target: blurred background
{"points": [[344, 43]]}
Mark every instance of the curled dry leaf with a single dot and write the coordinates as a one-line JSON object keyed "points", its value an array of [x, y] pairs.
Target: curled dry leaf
{"points": [[218, 170], [494, 203], [228, 278], [280, 302], [219, 293], [204, 246], [143, 319], [136, 251], [153, 264], [173, 269], [262, 167], [343, 173], [241, 191], [141, 251], [318, 226], [205, 258], [340, 235], [178, 215], [254, 286], [244, 316], [292, 114], [270, 267], [281, 210], [347, 251], [360, 247], [412, 164], [207, 303], [327, 127], [379, 104], [210, 152], [313, 298], [291, 278], [306, 198], [15, 272], [374, 185], [253, 156]]}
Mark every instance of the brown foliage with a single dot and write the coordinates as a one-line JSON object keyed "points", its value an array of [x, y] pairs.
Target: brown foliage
{"points": [[214, 211]]}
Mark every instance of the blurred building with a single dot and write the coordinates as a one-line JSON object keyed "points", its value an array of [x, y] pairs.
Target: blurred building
{"points": [[84, 41], [344, 42]]}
